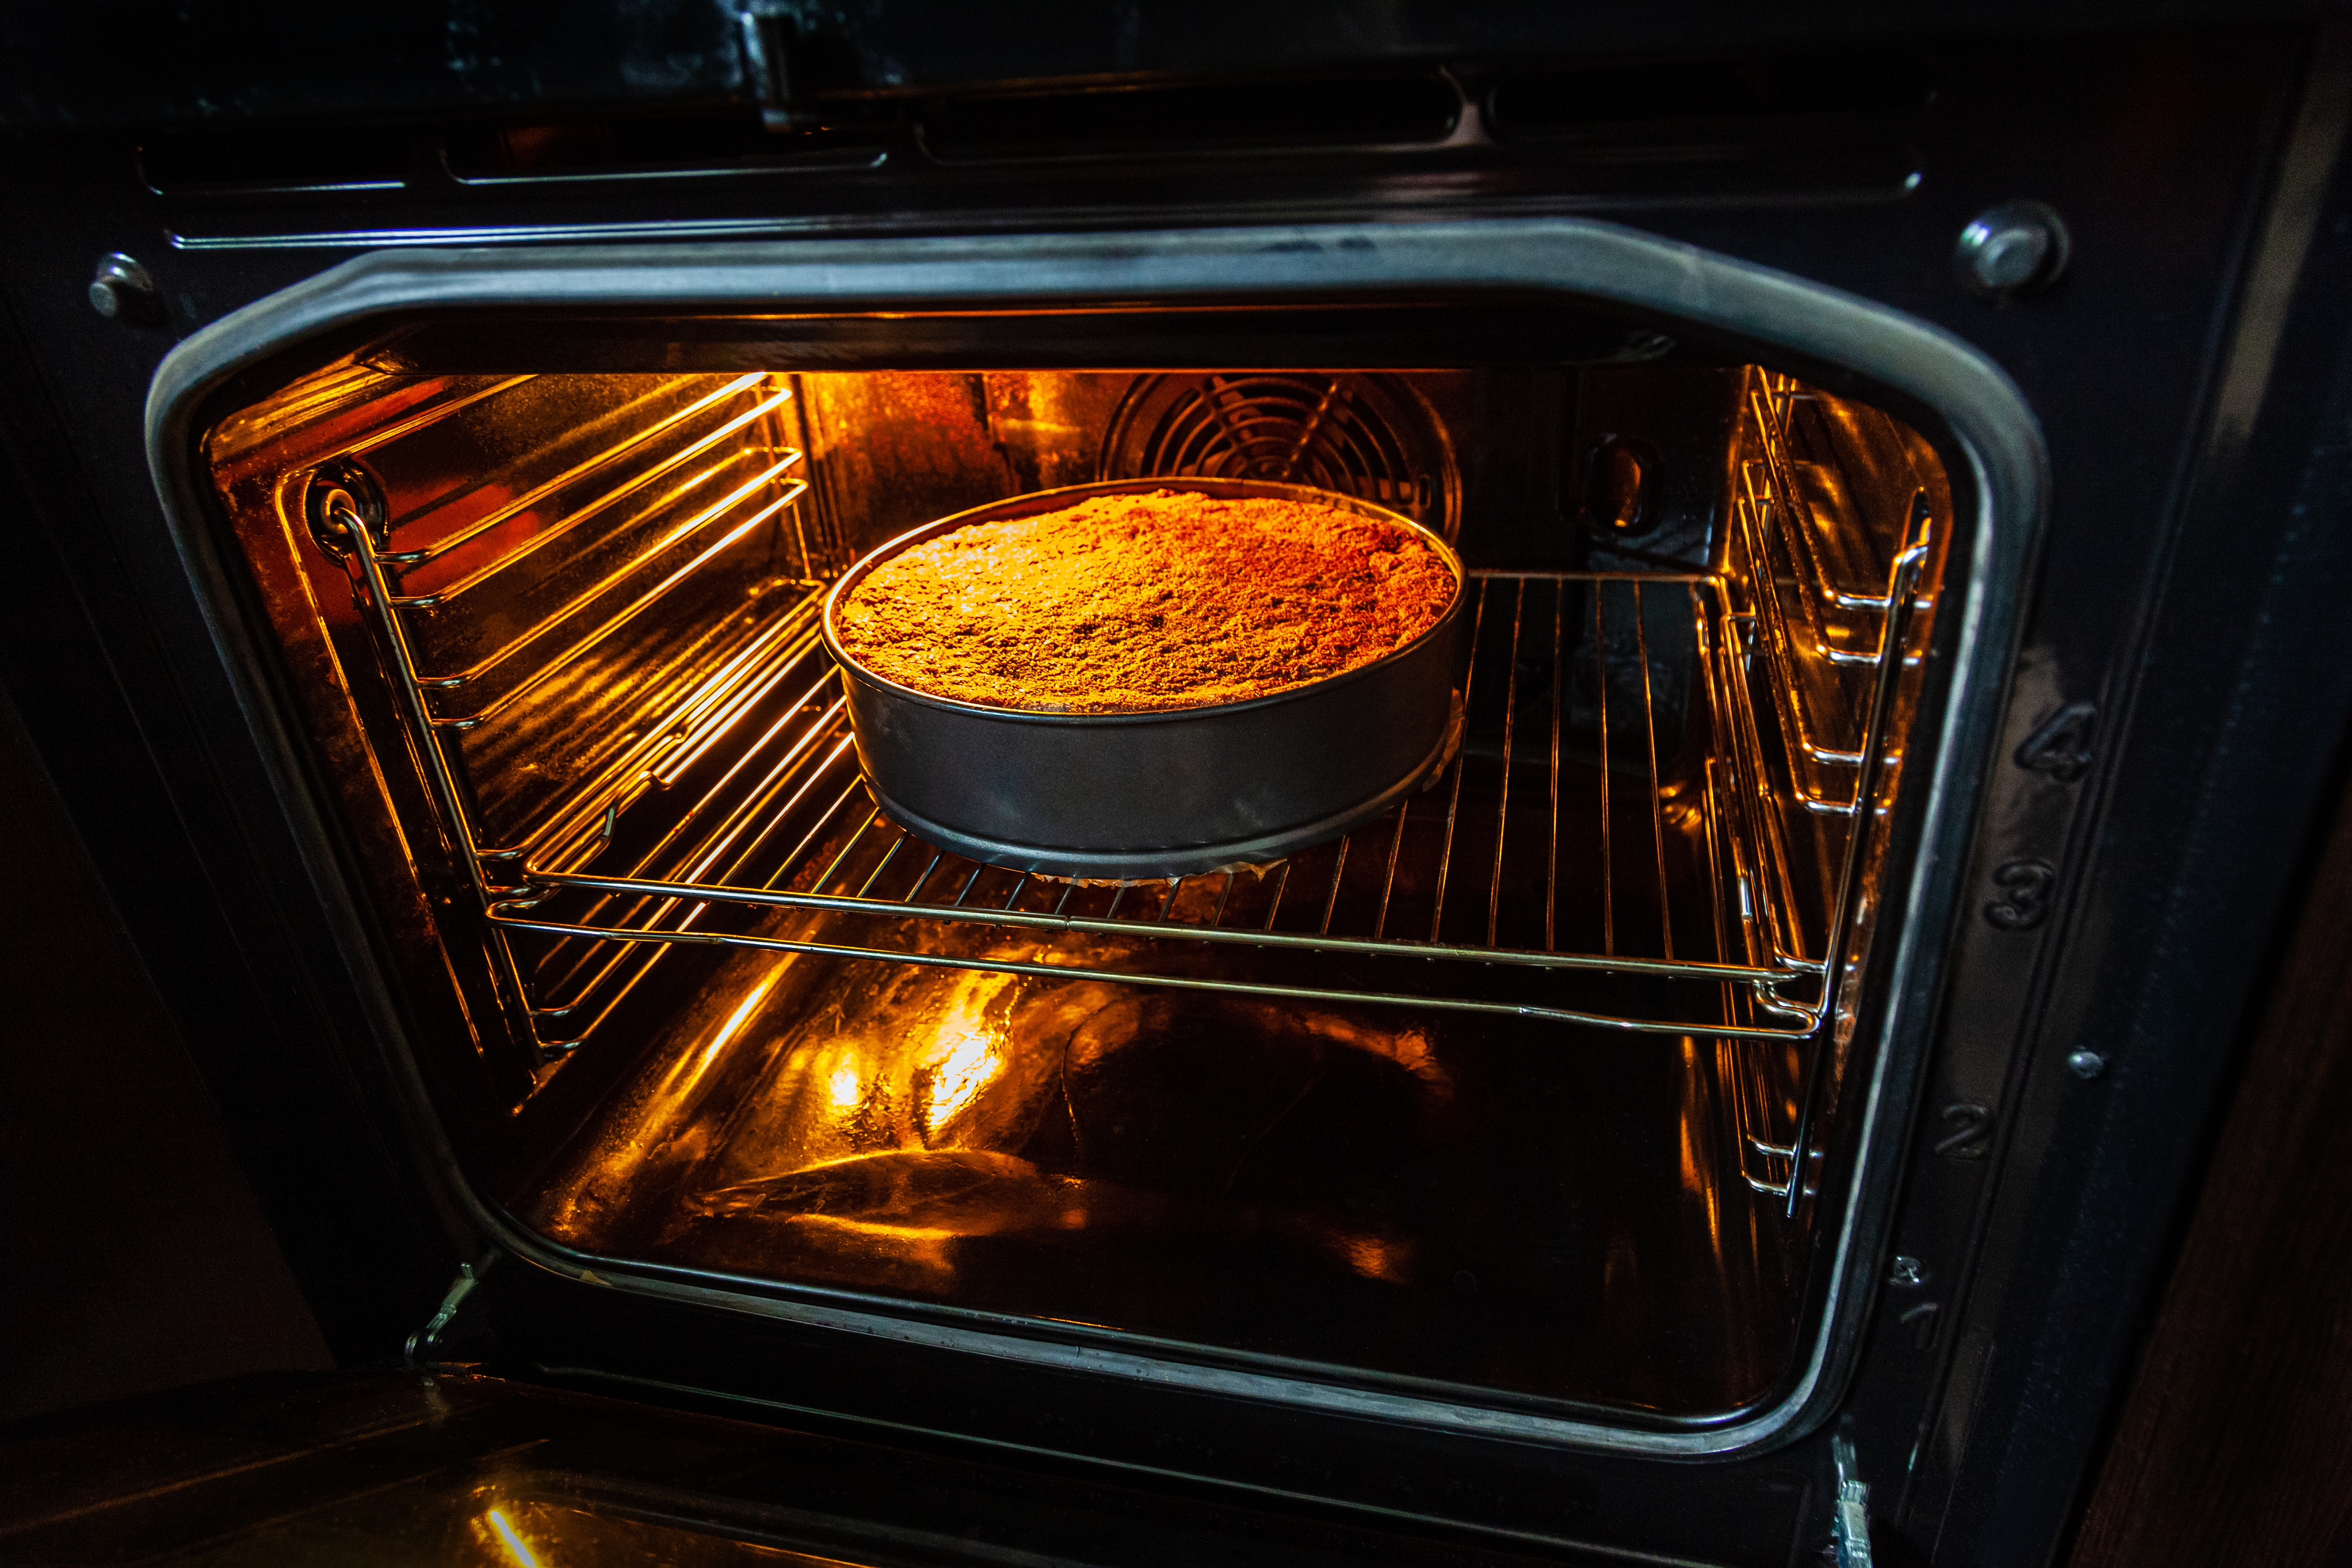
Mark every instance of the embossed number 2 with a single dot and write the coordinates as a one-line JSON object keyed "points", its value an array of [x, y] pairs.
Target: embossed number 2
{"points": [[2025, 888]]}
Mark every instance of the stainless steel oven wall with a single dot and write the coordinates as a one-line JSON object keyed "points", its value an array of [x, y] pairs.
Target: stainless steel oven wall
{"points": [[2177, 666]]}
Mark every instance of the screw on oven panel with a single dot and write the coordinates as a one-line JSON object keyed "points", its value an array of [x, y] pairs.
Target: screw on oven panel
{"points": [[2085, 1063], [121, 290], [1907, 1273], [2011, 249]]}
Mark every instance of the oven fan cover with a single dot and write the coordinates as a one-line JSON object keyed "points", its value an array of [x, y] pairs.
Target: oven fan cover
{"points": [[1373, 437]]}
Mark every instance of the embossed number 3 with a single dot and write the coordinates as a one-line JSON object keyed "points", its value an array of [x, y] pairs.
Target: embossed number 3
{"points": [[2025, 888]]}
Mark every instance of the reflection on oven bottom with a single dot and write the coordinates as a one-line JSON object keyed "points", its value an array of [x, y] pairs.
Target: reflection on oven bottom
{"points": [[1472, 1200]]}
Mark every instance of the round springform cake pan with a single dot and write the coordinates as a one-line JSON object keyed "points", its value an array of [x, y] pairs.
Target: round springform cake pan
{"points": [[1172, 793]]}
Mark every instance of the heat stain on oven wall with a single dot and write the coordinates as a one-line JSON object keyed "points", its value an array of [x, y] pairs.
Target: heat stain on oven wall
{"points": [[1519, 1088]]}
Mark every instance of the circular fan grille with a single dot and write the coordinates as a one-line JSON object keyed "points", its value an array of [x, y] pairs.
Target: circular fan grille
{"points": [[1369, 435]]}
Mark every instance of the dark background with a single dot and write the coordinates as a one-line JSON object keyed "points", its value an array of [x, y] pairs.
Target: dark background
{"points": [[132, 1255]]}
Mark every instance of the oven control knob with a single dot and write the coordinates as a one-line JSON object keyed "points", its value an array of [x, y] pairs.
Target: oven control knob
{"points": [[122, 292], [2011, 249]]}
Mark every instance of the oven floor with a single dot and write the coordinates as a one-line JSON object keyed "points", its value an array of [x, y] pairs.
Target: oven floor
{"points": [[1477, 1202]]}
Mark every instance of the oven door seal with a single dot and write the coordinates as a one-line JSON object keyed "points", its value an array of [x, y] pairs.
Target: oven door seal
{"points": [[1582, 261]]}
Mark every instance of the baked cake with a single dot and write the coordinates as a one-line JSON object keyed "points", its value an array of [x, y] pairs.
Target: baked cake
{"points": [[1144, 602]]}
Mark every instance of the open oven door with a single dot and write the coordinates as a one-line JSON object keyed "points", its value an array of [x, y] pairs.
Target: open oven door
{"points": [[395, 1469]]}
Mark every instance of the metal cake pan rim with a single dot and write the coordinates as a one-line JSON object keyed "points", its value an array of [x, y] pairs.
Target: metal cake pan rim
{"points": [[851, 665]]}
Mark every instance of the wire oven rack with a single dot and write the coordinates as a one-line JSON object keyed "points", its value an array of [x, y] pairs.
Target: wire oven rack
{"points": [[790, 825], [1653, 828]]}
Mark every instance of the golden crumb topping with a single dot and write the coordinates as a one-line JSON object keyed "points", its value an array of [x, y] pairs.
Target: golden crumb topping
{"points": [[1144, 602]]}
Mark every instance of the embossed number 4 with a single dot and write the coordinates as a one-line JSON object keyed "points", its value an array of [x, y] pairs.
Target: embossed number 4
{"points": [[2061, 747]]}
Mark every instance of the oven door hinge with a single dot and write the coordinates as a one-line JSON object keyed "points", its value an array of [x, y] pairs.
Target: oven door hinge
{"points": [[1850, 1526], [451, 1324]]}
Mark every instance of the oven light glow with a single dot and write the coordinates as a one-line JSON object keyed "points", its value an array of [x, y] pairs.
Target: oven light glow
{"points": [[516, 1547], [959, 1076], [682, 1079], [1374, 1258], [727, 1030], [847, 1088]]}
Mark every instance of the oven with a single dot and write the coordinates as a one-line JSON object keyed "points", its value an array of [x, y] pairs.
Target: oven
{"points": [[1731, 1102]]}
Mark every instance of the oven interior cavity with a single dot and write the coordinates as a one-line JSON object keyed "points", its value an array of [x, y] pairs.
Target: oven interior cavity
{"points": [[1526, 1092]]}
